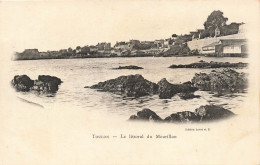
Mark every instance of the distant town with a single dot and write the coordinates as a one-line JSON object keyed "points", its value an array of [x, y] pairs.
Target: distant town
{"points": [[217, 39]]}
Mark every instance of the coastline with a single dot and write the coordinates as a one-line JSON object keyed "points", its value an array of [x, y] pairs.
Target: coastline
{"points": [[130, 56]]}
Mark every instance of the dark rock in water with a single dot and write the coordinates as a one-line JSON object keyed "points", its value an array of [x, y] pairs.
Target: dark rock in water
{"points": [[45, 84], [212, 112], [188, 95], [137, 86], [130, 86], [47, 78], [145, 114], [129, 67], [22, 83], [167, 90], [212, 64], [201, 114], [185, 116], [226, 81]]}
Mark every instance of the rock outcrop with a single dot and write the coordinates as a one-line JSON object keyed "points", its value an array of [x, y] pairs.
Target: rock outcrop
{"points": [[201, 114], [212, 64], [167, 90], [146, 115], [47, 78], [225, 81], [22, 83], [129, 67], [212, 112], [137, 86], [130, 86], [44, 83]]}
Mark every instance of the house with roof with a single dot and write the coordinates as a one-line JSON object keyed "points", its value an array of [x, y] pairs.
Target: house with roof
{"points": [[230, 43], [226, 47], [233, 46], [210, 49]]}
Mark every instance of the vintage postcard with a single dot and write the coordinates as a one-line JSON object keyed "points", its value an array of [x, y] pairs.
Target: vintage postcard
{"points": [[143, 82]]}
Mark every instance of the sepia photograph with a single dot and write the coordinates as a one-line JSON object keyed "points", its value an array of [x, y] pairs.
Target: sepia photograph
{"points": [[129, 82]]}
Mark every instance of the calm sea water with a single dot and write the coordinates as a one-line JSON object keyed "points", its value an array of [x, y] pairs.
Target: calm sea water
{"points": [[78, 73]]}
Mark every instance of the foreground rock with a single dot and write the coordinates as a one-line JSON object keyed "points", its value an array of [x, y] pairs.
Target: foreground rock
{"points": [[212, 112], [167, 90], [201, 114], [146, 114], [129, 67], [44, 83], [183, 117], [130, 86], [226, 81], [212, 64]]}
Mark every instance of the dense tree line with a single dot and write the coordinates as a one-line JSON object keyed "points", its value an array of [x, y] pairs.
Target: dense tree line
{"points": [[142, 46]]}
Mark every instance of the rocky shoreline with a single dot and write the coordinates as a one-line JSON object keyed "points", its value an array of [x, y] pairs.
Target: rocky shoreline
{"points": [[205, 113], [220, 82], [212, 64], [44, 83]]}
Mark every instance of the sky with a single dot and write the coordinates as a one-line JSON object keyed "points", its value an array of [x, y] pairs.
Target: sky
{"points": [[58, 25]]}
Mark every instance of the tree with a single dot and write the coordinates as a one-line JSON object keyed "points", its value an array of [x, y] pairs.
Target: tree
{"points": [[78, 48], [63, 52], [70, 50], [174, 35], [182, 39], [204, 34], [141, 46], [185, 50], [214, 20], [174, 50], [170, 41], [230, 29], [85, 50]]}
